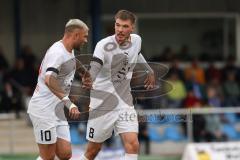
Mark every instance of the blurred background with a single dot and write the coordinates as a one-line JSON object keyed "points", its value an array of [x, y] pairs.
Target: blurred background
{"points": [[197, 40]]}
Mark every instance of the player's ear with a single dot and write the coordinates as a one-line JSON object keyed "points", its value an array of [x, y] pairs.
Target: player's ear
{"points": [[76, 35]]}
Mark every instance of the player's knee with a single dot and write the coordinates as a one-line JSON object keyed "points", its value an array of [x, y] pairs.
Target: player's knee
{"points": [[65, 155], [132, 147]]}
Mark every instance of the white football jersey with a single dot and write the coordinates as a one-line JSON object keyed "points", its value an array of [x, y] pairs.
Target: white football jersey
{"points": [[111, 89], [62, 63]]}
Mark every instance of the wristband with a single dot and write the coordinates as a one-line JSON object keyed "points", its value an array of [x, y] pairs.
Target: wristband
{"points": [[68, 103], [72, 106]]}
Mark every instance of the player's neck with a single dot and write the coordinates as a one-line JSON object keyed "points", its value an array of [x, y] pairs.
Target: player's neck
{"points": [[67, 45]]}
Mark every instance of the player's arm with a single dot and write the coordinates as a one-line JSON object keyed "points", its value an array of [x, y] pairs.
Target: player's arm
{"points": [[95, 67], [53, 84], [149, 82], [84, 73], [97, 61]]}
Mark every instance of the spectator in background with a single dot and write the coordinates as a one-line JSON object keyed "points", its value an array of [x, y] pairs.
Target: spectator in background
{"points": [[195, 72], [191, 100], [5, 87], [176, 69], [10, 100], [184, 53], [144, 136], [199, 124], [231, 90], [216, 85], [6, 96], [213, 121], [178, 93], [213, 128], [28, 57], [30, 65], [20, 78], [3, 62], [213, 73], [207, 127], [230, 67], [9, 97], [196, 88], [213, 99], [3, 68], [18, 86], [2, 74], [166, 55]]}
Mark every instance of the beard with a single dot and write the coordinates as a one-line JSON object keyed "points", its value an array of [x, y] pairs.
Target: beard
{"points": [[77, 46]]}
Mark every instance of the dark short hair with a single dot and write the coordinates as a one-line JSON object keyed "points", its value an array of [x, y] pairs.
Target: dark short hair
{"points": [[125, 15]]}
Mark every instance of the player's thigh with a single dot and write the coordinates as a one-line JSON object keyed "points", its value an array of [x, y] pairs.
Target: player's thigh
{"points": [[44, 130], [47, 151], [100, 128], [63, 147]]}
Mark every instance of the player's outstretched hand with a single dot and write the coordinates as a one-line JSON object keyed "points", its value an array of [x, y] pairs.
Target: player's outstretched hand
{"points": [[74, 112], [149, 82]]}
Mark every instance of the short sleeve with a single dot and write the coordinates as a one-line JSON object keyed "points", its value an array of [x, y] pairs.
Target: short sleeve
{"points": [[98, 54], [53, 62]]}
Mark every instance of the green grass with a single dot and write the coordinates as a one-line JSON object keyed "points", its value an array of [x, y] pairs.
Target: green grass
{"points": [[33, 157], [17, 157]]}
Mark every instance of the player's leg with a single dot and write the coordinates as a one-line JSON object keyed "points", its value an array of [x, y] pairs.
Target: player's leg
{"points": [[47, 151], [45, 136], [63, 144], [63, 149], [131, 145], [127, 128], [98, 130], [92, 150]]}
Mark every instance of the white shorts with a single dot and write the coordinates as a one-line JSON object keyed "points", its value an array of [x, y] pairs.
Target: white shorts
{"points": [[47, 131], [100, 128]]}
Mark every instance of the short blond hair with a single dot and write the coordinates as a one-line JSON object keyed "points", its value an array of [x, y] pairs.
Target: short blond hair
{"points": [[75, 23]]}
